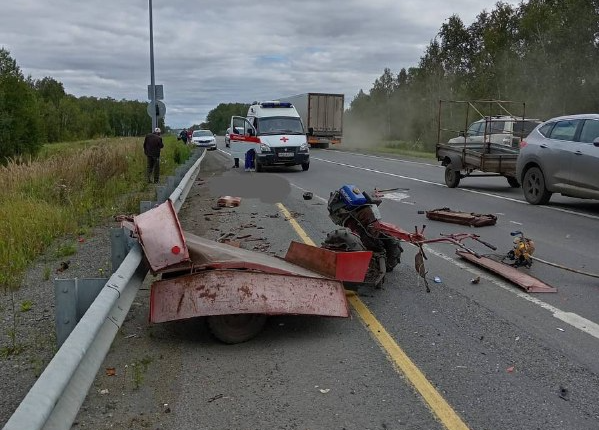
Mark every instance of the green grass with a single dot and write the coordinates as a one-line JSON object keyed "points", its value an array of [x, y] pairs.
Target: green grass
{"points": [[410, 149], [66, 190]]}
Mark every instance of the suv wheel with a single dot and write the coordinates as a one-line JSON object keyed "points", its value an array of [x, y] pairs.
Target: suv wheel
{"points": [[305, 166], [534, 188], [452, 177]]}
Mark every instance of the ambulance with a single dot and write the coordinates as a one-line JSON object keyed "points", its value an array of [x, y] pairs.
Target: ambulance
{"points": [[274, 130]]}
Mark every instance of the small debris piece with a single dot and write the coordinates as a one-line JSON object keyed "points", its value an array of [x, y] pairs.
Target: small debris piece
{"points": [[104, 391], [564, 393], [463, 218], [110, 371], [475, 280], [437, 280], [245, 236], [324, 390], [63, 266], [560, 329], [510, 369], [218, 396], [228, 201], [167, 408], [307, 195], [81, 239]]}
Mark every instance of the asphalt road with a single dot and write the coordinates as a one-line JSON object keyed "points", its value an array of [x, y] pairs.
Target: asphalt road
{"points": [[464, 356]]}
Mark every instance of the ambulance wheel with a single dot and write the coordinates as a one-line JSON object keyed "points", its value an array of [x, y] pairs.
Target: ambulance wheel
{"points": [[236, 328], [305, 166], [259, 167]]}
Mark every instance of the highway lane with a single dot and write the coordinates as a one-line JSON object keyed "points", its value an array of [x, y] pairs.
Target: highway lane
{"points": [[554, 335], [497, 358]]}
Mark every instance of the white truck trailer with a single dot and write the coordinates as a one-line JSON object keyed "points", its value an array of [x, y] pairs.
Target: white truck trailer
{"points": [[322, 115]]}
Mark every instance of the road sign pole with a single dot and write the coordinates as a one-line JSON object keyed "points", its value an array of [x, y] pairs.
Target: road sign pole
{"points": [[152, 80]]}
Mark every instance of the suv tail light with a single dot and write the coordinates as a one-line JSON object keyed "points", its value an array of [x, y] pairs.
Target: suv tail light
{"points": [[523, 143]]}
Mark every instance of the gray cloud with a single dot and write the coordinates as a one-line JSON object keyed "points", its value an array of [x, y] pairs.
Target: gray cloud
{"points": [[222, 51]]}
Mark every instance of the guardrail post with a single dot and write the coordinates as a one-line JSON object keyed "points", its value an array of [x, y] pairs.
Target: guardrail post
{"points": [[171, 184], [162, 193], [118, 247], [146, 205], [65, 295]]}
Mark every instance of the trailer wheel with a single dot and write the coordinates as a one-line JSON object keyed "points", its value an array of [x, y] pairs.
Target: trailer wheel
{"points": [[452, 177], [513, 182], [305, 166], [236, 328]]}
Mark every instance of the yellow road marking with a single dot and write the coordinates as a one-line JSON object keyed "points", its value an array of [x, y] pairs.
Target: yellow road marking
{"points": [[402, 363], [300, 231]]}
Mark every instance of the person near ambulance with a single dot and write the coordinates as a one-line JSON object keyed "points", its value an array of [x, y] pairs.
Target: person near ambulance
{"points": [[273, 133]]}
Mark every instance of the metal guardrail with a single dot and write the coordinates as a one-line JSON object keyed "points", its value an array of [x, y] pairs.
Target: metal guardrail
{"points": [[55, 399]]}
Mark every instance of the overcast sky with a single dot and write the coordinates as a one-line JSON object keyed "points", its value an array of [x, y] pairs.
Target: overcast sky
{"points": [[220, 51]]}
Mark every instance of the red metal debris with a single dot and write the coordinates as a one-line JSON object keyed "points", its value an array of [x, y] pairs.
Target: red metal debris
{"points": [[463, 218], [161, 237], [344, 266], [224, 292], [228, 201], [529, 283]]}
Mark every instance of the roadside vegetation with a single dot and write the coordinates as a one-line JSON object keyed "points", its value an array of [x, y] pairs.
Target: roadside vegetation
{"points": [[67, 189], [540, 52]]}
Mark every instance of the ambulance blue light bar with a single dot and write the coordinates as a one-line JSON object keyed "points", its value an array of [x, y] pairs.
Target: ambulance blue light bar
{"points": [[276, 105]]}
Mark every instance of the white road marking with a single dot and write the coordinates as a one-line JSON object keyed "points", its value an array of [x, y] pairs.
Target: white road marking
{"points": [[466, 190], [571, 318]]}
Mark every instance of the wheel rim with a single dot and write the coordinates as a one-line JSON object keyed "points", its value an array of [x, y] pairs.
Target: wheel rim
{"points": [[533, 185]]}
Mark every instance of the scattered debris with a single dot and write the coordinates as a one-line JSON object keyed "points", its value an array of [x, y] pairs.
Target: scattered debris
{"points": [[64, 265], [245, 236], [529, 283], [463, 218], [564, 393], [104, 391], [228, 201], [167, 408], [307, 195], [324, 390], [218, 396], [510, 369], [521, 253], [249, 225], [475, 280], [560, 329], [110, 371], [437, 280], [225, 236], [277, 215]]}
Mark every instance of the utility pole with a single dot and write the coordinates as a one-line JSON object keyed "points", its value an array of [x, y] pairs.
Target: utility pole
{"points": [[152, 80]]}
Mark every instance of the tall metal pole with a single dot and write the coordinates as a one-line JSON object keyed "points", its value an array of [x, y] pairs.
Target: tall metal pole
{"points": [[152, 80]]}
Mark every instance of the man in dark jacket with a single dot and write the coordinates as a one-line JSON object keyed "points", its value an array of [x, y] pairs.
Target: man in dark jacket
{"points": [[152, 146]]}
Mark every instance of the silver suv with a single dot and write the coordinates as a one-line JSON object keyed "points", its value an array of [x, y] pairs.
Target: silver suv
{"points": [[502, 130], [560, 156]]}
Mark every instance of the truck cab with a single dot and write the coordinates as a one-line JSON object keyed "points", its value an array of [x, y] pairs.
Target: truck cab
{"points": [[274, 130]]}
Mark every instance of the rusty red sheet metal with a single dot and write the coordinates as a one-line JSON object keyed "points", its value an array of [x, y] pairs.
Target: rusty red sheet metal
{"points": [[529, 283], [343, 266], [161, 237], [463, 218], [224, 292]]}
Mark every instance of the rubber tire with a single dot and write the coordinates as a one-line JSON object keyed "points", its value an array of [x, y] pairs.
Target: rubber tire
{"points": [[236, 328], [513, 182], [452, 177], [533, 187], [305, 166], [259, 167]]}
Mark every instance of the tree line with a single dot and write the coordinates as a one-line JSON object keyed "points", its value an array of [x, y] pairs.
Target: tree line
{"points": [[34, 112], [543, 53]]}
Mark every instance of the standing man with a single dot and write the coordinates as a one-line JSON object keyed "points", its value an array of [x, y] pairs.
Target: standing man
{"points": [[152, 146], [183, 136]]}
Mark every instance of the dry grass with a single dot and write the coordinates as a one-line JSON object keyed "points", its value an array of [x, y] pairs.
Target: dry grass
{"points": [[69, 188]]}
